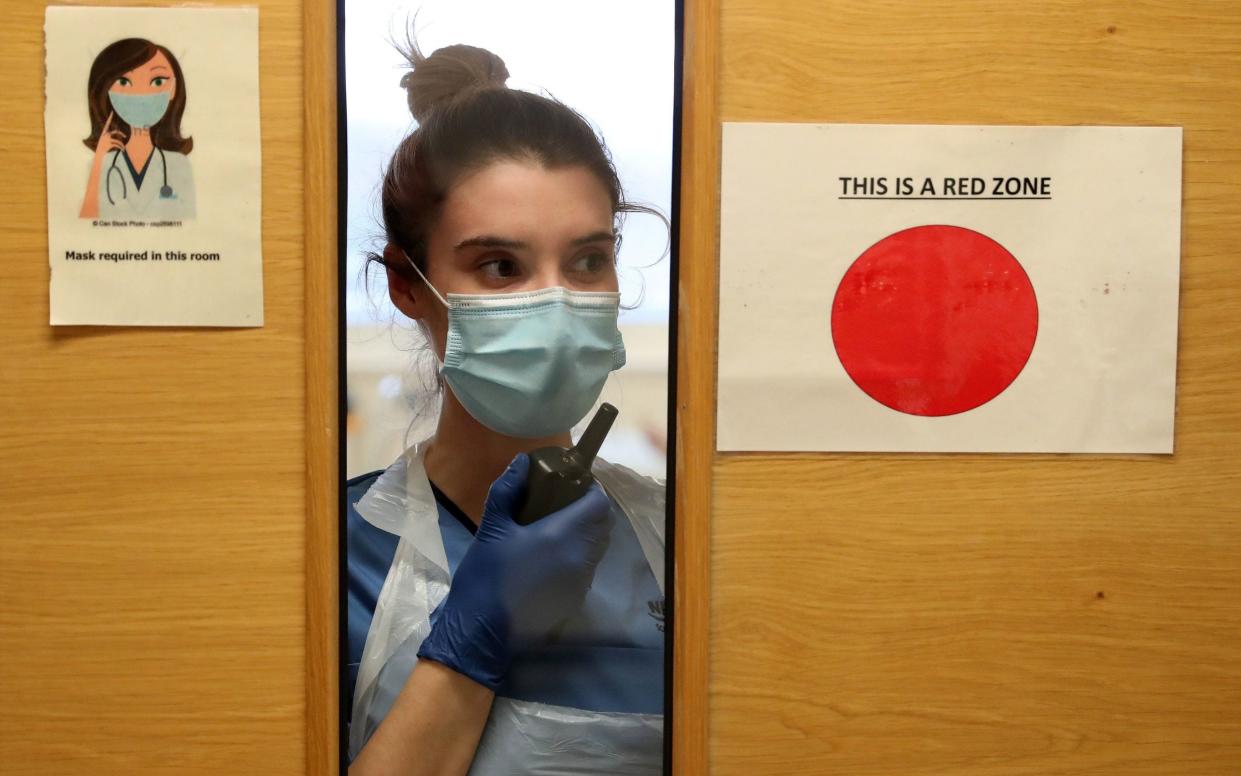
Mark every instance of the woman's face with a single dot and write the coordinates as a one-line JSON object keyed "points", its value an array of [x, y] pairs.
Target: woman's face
{"points": [[516, 226], [154, 75]]}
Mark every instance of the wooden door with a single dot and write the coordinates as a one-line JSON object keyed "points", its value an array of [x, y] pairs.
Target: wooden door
{"points": [[978, 615]]}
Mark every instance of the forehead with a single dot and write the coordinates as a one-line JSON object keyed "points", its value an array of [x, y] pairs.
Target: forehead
{"points": [[524, 200], [159, 61]]}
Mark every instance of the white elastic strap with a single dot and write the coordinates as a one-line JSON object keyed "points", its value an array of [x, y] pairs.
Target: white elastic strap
{"points": [[443, 301]]}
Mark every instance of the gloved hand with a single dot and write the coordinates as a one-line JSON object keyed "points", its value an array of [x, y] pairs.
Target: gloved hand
{"points": [[517, 582]]}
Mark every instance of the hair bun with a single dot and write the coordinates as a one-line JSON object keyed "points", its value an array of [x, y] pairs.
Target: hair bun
{"points": [[437, 80]]}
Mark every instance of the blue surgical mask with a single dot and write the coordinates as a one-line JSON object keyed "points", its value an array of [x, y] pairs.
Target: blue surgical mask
{"points": [[140, 111], [530, 364]]}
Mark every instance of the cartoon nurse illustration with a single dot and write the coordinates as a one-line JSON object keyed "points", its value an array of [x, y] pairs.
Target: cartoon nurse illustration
{"points": [[141, 169]]}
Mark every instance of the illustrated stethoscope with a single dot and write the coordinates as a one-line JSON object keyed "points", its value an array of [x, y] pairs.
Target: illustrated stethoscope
{"points": [[165, 191]]}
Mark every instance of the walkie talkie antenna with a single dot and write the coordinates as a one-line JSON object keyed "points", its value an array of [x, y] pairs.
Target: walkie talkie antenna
{"points": [[588, 446], [560, 476]]}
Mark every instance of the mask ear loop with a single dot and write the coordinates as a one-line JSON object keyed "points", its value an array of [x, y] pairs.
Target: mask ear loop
{"points": [[443, 301]]}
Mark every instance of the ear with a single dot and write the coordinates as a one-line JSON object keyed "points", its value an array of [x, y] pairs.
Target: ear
{"points": [[400, 289]]}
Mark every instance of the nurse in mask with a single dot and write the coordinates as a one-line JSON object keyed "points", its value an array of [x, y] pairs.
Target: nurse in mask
{"points": [[141, 168], [476, 644]]}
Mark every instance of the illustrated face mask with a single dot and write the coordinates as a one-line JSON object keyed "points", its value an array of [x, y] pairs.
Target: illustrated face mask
{"points": [[140, 111], [530, 364]]}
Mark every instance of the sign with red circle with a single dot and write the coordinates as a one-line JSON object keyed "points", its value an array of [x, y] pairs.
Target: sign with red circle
{"points": [[1019, 293], [934, 320]]}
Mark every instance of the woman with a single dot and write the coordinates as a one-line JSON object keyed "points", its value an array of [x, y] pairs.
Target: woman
{"points": [[141, 169], [477, 644]]}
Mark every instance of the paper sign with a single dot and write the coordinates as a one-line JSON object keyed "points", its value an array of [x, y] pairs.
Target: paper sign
{"points": [[948, 288], [153, 171]]}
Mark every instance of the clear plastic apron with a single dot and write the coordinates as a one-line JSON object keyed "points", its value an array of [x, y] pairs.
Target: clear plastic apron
{"points": [[520, 736]]}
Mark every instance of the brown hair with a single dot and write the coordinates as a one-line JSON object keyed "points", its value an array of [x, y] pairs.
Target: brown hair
{"points": [[112, 63], [468, 119]]}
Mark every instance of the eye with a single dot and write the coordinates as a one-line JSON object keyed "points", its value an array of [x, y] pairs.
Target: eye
{"points": [[123, 81], [592, 263], [159, 80], [500, 268]]}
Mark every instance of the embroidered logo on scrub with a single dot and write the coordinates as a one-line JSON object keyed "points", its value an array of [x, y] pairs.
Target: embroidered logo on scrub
{"points": [[656, 607]]}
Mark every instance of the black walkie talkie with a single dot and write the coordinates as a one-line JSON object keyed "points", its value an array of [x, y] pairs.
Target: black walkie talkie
{"points": [[558, 477]]}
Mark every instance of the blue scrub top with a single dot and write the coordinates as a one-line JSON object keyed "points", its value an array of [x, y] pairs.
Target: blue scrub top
{"points": [[608, 657]]}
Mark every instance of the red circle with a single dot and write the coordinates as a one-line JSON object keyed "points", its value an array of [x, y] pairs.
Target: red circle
{"points": [[934, 320]]}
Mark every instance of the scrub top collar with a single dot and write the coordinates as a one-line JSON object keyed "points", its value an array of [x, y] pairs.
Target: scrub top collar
{"points": [[450, 506], [137, 175]]}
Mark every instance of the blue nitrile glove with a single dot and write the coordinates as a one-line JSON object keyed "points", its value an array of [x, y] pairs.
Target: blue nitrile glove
{"points": [[515, 583]]}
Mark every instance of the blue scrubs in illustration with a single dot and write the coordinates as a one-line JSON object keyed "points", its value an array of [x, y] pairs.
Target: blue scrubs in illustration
{"points": [[141, 168]]}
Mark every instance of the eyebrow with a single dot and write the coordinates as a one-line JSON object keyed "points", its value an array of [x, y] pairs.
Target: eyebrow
{"points": [[491, 241], [132, 74], [595, 237]]}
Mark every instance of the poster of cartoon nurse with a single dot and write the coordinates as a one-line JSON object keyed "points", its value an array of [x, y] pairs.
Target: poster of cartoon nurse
{"points": [[153, 166], [136, 97]]}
